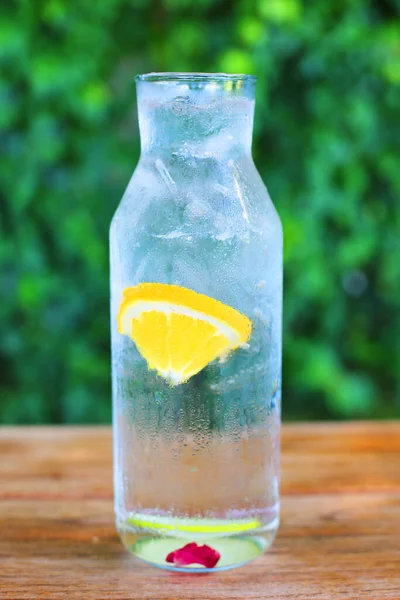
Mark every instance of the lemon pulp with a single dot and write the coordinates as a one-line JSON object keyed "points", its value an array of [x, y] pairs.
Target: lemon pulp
{"points": [[179, 331]]}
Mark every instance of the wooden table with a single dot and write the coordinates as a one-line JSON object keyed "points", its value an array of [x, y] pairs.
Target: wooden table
{"points": [[339, 538]]}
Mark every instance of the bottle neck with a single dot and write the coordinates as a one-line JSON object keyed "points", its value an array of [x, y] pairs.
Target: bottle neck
{"points": [[206, 121]]}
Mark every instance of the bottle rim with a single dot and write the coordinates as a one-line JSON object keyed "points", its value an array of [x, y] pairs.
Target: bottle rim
{"points": [[195, 77]]}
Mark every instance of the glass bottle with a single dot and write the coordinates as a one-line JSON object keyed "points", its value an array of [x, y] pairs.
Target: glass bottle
{"points": [[196, 298]]}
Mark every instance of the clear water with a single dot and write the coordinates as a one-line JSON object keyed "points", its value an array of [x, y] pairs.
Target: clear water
{"points": [[204, 478], [237, 541], [198, 462], [219, 493]]}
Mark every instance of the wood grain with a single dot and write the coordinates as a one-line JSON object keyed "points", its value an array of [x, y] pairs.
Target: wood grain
{"points": [[339, 538]]}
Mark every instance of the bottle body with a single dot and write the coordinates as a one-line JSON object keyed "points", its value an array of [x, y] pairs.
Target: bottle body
{"points": [[196, 293]]}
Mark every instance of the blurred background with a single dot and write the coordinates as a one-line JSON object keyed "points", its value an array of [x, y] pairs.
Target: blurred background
{"points": [[326, 142]]}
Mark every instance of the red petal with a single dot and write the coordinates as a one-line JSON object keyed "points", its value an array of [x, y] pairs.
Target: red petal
{"points": [[194, 554]]}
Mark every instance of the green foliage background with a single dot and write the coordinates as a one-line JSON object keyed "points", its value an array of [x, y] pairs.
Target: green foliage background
{"points": [[326, 143]]}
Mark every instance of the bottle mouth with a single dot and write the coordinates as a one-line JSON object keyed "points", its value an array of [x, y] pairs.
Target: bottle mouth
{"points": [[197, 77]]}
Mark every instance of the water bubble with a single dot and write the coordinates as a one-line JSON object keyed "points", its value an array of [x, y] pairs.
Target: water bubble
{"points": [[180, 105]]}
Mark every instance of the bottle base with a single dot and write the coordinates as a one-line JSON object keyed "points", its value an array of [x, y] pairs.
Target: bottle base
{"points": [[235, 550]]}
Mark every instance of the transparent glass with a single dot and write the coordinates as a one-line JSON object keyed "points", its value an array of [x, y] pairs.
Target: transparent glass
{"points": [[196, 352]]}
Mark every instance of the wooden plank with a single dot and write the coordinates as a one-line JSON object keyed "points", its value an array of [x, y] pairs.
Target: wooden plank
{"points": [[340, 533]]}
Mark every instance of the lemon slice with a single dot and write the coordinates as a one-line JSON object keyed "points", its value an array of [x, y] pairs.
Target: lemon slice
{"points": [[188, 525], [179, 331]]}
